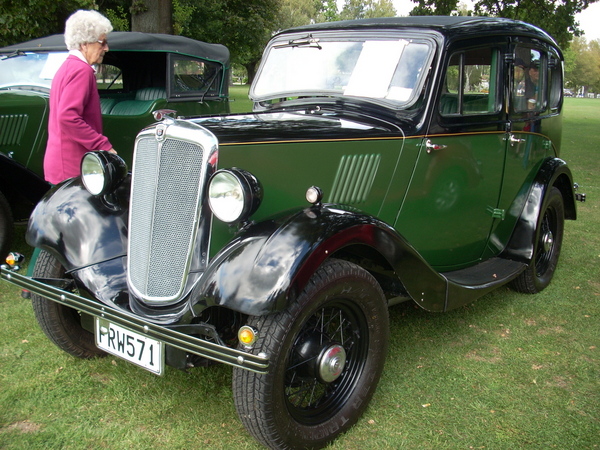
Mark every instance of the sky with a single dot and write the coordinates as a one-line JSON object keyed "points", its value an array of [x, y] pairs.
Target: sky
{"points": [[589, 20]]}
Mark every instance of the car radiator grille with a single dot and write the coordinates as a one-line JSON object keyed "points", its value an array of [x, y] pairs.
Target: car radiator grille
{"points": [[165, 203]]}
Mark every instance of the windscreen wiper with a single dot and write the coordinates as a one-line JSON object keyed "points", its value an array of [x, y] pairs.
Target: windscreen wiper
{"points": [[13, 54], [308, 41]]}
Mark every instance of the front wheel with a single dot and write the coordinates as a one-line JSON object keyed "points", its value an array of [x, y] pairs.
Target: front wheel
{"points": [[326, 352], [60, 323], [549, 235]]}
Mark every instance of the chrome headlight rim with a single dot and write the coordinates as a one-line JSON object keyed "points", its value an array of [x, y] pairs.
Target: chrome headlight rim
{"points": [[102, 172], [242, 191]]}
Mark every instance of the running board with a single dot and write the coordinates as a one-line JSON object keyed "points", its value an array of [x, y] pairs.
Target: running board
{"points": [[466, 285]]}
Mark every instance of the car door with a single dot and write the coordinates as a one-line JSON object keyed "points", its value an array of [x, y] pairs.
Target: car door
{"points": [[535, 98], [452, 200]]}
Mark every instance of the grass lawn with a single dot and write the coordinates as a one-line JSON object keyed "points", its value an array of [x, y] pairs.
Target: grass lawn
{"points": [[510, 371]]}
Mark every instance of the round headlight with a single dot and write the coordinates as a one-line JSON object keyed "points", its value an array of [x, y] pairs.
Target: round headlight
{"points": [[233, 195], [92, 173], [102, 172]]}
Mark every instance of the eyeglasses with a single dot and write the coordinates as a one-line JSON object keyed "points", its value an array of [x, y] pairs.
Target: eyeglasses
{"points": [[103, 43]]}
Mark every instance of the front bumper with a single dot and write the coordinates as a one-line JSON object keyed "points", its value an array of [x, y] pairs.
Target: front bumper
{"points": [[187, 343]]}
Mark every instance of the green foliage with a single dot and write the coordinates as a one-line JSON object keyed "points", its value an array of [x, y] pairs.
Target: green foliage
{"points": [[367, 9], [434, 8], [118, 18], [293, 13], [22, 21], [582, 65], [557, 17], [243, 26]]}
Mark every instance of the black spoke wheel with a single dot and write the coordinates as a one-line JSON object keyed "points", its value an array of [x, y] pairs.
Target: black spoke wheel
{"points": [[549, 235], [326, 354], [61, 324]]}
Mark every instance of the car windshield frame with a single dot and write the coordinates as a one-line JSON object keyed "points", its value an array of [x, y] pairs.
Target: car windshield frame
{"points": [[334, 65]]}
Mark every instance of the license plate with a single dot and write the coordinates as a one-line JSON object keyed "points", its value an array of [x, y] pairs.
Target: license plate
{"points": [[130, 346]]}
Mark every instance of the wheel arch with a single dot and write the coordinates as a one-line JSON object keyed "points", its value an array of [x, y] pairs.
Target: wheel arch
{"points": [[269, 263], [554, 172]]}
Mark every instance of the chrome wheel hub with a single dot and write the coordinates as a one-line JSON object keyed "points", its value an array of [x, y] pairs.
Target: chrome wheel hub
{"points": [[331, 363], [548, 241]]}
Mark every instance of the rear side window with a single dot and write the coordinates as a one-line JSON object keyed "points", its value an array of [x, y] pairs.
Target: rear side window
{"points": [[109, 77], [529, 80], [471, 83], [555, 82], [193, 77]]}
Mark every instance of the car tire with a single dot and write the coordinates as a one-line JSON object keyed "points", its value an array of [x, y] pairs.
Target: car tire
{"points": [[6, 227], [60, 323], [310, 395], [548, 242]]}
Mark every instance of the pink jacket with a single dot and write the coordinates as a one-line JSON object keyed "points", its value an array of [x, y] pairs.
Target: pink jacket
{"points": [[75, 122]]}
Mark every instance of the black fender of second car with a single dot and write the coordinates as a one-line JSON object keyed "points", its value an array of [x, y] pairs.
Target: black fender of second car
{"points": [[22, 187]]}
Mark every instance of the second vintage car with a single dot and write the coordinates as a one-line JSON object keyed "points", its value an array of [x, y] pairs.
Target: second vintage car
{"points": [[388, 160], [142, 72]]}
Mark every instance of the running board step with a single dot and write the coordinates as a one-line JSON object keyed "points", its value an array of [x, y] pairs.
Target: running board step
{"points": [[488, 274], [467, 285]]}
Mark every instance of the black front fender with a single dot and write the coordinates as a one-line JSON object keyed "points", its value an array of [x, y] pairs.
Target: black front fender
{"points": [[80, 230], [269, 263]]}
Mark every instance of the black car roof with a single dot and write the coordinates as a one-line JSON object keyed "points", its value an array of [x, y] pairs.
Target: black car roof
{"points": [[134, 41], [451, 26]]}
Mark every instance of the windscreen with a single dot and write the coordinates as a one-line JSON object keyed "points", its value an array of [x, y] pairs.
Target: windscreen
{"points": [[25, 69], [388, 70]]}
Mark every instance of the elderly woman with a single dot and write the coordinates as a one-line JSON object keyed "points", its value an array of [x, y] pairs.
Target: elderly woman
{"points": [[75, 122]]}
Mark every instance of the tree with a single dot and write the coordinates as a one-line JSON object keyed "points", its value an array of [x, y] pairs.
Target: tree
{"points": [[557, 17], [244, 26], [582, 66], [367, 9], [152, 16], [22, 21], [434, 7], [294, 13]]}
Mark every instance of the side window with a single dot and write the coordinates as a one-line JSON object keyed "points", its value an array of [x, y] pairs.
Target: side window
{"points": [[194, 77], [471, 83], [529, 80], [109, 77], [555, 82]]}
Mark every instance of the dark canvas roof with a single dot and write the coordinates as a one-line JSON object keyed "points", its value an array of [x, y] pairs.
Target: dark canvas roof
{"points": [[134, 41]]}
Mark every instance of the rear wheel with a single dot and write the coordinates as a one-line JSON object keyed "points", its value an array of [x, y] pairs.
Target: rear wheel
{"points": [[326, 353], [60, 323], [549, 235], [6, 226]]}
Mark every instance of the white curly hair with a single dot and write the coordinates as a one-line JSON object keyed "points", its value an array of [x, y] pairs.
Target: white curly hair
{"points": [[84, 27]]}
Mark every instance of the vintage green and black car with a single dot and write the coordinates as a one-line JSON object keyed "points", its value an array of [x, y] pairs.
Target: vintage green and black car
{"points": [[387, 160], [141, 72]]}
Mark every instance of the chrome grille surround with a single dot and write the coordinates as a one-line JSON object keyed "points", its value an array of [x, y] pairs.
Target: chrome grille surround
{"points": [[170, 166]]}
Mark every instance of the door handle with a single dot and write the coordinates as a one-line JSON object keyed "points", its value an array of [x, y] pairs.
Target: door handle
{"points": [[515, 140], [430, 146]]}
